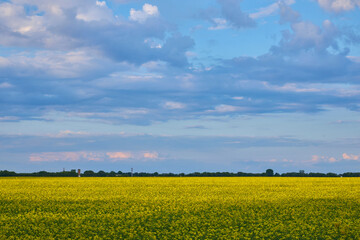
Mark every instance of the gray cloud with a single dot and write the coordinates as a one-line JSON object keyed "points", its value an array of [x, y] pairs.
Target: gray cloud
{"points": [[287, 14], [232, 12], [115, 70]]}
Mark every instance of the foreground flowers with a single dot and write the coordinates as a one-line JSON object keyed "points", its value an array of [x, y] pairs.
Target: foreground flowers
{"points": [[180, 208]]}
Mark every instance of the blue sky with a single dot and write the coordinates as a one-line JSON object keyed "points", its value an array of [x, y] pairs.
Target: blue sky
{"points": [[180, 86]]}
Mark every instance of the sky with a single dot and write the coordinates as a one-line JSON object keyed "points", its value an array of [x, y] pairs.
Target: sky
{"points": [[180, 86]]}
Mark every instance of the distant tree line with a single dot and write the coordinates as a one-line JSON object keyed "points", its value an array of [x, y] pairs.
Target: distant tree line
{"points": [[71, 173], [89, 173]]}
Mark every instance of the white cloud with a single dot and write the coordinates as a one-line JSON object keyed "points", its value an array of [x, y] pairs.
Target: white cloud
{"points": [[8, 118], [116, 156], [147, 11], [9, 10], [350, 156], [100, 3], [223, 108], [70, 25], [5, 85], [326, 159], [307, 31], [219, 24], [56, 10], [291, 87], [98, 12], [66, 156], [153, 43], [67, 133], [307, 35], [4, 62], [60, 64], [191, 54], [322, 159], [151, 155], [338, 5], [174, 105], [124, 113], [15, 19], [315, 158], [266, 11], [93, 156], [238, 98], [355, 59]]}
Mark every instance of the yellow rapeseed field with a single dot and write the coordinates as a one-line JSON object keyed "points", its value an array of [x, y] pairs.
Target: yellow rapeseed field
{"points": [[180, 208]]}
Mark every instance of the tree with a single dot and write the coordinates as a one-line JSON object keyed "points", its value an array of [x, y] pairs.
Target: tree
{"points": [[101, 173], [269, 172], [89, 173]]}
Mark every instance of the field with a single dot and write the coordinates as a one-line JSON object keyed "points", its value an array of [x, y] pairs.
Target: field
{"points": [[180, 208]]}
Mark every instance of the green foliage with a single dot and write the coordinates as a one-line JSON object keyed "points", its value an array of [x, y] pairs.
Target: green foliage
{"points": [[269, 172]]}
